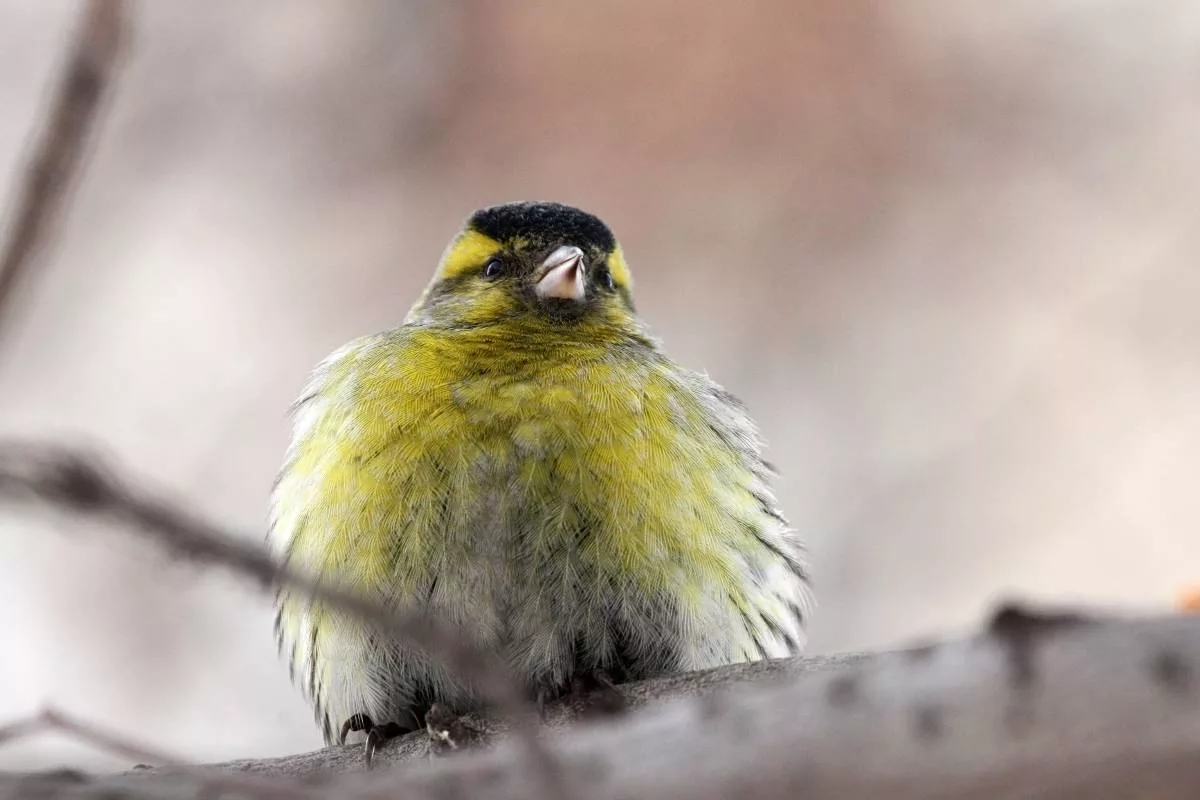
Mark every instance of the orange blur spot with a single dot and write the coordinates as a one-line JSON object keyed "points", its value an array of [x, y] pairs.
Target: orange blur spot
{"points": [[1189, 601]]}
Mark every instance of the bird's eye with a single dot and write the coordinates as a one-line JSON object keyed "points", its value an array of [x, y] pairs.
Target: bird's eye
{"points": [[605, 278], [493, 268]]}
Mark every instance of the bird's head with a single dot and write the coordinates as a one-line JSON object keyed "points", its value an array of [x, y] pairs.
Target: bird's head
{"points": [[530, 263]]}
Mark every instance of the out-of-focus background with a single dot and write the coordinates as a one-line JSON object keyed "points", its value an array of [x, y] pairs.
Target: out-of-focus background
{"points": [[945, 251]]}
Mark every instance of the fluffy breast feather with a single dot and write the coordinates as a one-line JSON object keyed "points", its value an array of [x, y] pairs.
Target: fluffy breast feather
{"points": [[585, 478]]}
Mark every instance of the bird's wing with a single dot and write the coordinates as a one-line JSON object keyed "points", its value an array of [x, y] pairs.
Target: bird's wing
{"points": [[300, 507], [777, 614]]}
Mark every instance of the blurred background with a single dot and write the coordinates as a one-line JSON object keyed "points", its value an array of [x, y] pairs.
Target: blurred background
{"points": [[945, 251]]}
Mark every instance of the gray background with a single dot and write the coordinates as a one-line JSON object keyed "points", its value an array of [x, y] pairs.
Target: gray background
{"points": [[945, 251]]}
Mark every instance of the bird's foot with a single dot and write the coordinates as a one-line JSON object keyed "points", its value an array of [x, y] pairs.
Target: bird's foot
{"points": [[448, 731], [591, 694], [376, 734]]}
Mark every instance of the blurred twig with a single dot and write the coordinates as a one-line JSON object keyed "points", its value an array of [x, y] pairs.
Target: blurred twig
{"points": [[77, 483], [93, 61], [51, 719]]}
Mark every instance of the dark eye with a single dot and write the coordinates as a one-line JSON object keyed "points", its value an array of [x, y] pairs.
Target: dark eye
{"points": [[605, 278], [493, 268]]}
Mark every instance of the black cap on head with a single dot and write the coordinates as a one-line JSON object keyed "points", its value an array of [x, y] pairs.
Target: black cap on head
{"points": [[543, 223]]}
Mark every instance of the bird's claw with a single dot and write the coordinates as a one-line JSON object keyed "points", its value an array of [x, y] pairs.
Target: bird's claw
{"points": [[356, 723], [447, 730], [377, 735]]}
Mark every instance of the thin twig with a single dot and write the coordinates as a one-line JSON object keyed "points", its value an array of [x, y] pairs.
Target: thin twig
{"points": [[94, 58], [77, 483], [51, 720]]}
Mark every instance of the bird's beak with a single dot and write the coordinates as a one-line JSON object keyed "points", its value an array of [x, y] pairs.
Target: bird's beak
{"points": [[563, 275]]}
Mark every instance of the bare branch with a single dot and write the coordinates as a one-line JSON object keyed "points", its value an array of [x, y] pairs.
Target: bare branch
{"points": [[1033, 708], [93, 61], [77, 483], [639, 695], [51, 719]]}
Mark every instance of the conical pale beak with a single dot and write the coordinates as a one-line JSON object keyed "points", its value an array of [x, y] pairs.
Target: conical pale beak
{"points": [[564, 275]]}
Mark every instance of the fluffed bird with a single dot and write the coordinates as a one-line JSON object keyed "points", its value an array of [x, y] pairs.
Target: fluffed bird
{"points": [[521, 459]]}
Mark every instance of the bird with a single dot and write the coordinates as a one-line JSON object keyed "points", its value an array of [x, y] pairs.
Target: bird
{"points": [[520, 458]]}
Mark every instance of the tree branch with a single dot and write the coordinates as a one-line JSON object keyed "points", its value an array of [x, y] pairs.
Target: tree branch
{"points": [[1035, 707], [93, 62], [51, 719]]}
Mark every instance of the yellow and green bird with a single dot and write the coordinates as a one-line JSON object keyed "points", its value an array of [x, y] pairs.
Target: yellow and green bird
{"points": [[519, 457]]}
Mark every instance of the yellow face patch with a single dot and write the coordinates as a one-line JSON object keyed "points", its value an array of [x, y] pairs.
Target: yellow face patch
{"points": [[467, 253], [619, 269]]}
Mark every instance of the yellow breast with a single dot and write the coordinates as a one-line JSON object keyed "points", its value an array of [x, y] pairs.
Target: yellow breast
{"points": [[416, 450]]}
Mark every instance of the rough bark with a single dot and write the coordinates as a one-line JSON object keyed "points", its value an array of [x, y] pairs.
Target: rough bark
{"points": [[1035, 707]]}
